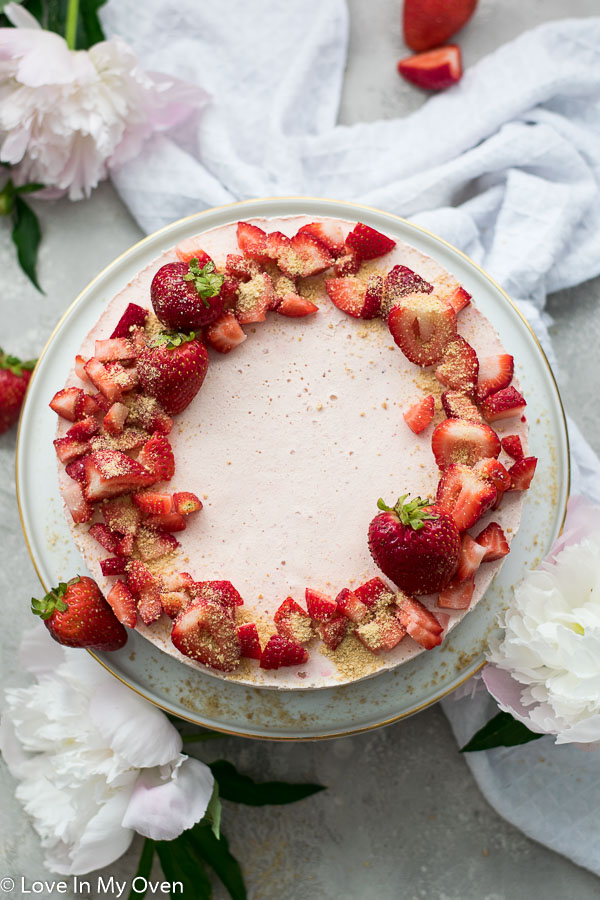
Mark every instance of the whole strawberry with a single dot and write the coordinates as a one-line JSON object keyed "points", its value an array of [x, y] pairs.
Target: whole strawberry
{"points": [[186, 297], [77, 615], [14, 378], [172, 370], [416, 544]]}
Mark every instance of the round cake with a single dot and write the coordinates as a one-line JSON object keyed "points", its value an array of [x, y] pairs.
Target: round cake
{"points": [[324, 368]]}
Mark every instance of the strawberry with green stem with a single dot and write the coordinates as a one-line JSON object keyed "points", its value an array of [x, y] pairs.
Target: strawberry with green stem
{"points": [[77, 615], [172, 368], [14, 378], [186, 296]]}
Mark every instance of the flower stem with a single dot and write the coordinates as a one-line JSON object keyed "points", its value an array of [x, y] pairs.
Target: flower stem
{"points": [[71, 25]]}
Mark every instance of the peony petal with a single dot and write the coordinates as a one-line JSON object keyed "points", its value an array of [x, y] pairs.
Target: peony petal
{"points": [[507, 692], [19, 17], [39, 653], [161, 810], [10, 748], [582, 517]]}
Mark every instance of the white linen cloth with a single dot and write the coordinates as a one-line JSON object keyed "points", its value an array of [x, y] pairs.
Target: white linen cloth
{"points": [[506, 166]]}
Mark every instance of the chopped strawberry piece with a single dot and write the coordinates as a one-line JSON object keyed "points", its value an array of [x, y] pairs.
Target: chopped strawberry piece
{"points": [[471, 556], [134, 316], [139, 576], [459, 367], [170, 522], [83, 429], [153, 503], [68, 449], [125, 545], [185, 503], [280, 651], [421, 625], [419, 415], [350, 605], [103, 404], [254, 299], [128, 439], [313, 255], [347, 264], [115, 565], [493, 541], [381, 633], [114, 349], [80, 508], [121, 516], [493, 470], [495, 373], [422, 326], [149, 605], [368, 242], [249, 642], [457, 441], [190, 249], [293, 622], [111, 473], [174, 602], [374, 593], [102, 533], [221, 592], [152, 544], [295, 306], [230, 293], [512, 445], [320, 607], [157, 457], [433, 70], [87, 406], [149, 415], [252, 241], [180, 581], [76, 469], [206, 633], [457, 297], [521, 473], [352, 297], [240, 267], [64, 402], [333, 632], [225, 333], [459, 406], [102, 380], [115, 418], [503, 404], [328, 233], [399, 282], [121, 601], [457, 595], [79, 368], [126, 379], [464, 495]]}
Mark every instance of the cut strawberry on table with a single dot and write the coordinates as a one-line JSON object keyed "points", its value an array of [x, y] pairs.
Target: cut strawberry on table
{"points": [[457, 595], [76, 469], [351, 606], [133, 317], [172, 370], [521, 473], [422, 326], [205, 632], [121, 601], [493, 541], [111, 473], [157, 457], [14, 378], [331, 234], [512, 445], [225, 333], [320, 606], [369, 243], [293, 622], [458, 441], [421, 625], [399, 282], [434, 70], [420, 415], [472, 555], [77, 615], [503, 404], [241, 267], [249, 641], [187, 296], [459, 367], [354, 297], [429, 23], [464, 495], [495, 373], [381, 633], [457, 297], [279, 651]]}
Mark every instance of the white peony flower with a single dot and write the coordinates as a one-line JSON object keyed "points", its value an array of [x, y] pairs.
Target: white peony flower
{"points": [[95, 762], [546, 669], [67, 116]]}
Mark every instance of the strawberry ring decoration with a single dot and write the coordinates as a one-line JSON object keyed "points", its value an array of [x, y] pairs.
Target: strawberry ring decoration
{"points": [[119, 460]]}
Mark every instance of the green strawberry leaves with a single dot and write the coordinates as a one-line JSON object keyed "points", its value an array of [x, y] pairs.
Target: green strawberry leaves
{"points": [[51, 603], [26, 232], [413, 513], [172, 339], [206, 280], [14, 364], [242, 789], [501, 731]]}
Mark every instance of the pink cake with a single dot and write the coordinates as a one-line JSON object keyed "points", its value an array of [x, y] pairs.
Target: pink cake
{"points": [[291, 440]]}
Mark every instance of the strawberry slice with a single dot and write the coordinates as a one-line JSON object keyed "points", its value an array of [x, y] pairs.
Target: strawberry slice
{"points": [[464, 495], [295, 306], [221, 592], [204, 632], [102, 403], [368, 242], [129, 439], [151, 544], [400, 282], [185, 502], [121, 516], [179, 581], [420, 415], [252, 241], [503, 404], [64, 403], [422, 326], [157, 457], [354, 298], [153, 503], [125, 545], [374, 593], [114, 349], [254, 299], [101, 378], [80, 508], [457, 297], [166, 522], [240, 267], [320, 607], [457, 441], [173, 602], [149, 415], [149, 605], [280, 651], [347, 264], [190, 249], [225, 333], [521, 473], [512, 445], [115, 418], [314, 255], [121, 601], [111, 473], [68, 449], [429, 23], [328, 233], [457, 595], [421, 625], [381, 633], [493, 470], [495, 373], [115, 565], [87, 406], [79, 368], [293, 622], [459, 367], [125, 379], [433, 70], [249, 642], [460, 406], [133, 317], [472, 555], [350, 605], [76, 469], [102, 533], [333, 632], [83, 429], [493, 541], [139, 577]]}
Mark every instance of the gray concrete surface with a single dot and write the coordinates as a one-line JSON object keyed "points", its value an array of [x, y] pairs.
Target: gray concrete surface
{"points": [[402, 818]]}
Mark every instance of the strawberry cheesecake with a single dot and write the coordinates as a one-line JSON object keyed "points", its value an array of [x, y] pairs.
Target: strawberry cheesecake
{"points": [[293, 452]]}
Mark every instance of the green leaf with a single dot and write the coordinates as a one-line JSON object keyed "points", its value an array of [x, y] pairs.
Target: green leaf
{"points": [[213, 811], [242, 789], [52, 15], [144, 866], [501, 731], [29, 188], [89, 31], [172, 339], [26, 237], [197, 737], [206, 280], [216, 853], [180, 861]]}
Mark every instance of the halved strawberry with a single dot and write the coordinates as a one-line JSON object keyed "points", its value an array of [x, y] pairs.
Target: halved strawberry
{"points": [[493, 541], [429, 23], [254, 299], [149, 415], [320, 607], [495, 373], [83, 429], [493, 470], [381, 633], [102, 380], [457, 595], [111, 473], [512, 445], [503, 404], [220, 592], [115, 565], [354, 298], [329, 233], [419, 415], [102, 533], [225, 333], [249, 642], [422, 326], [368, 242], [347, 264], [521, 473], [374, 593], [295, 306], [153, 503], [433, 70], [190, 249], [170, 522], [460, 406], [64, 402], [113, 349], [80, 508], [157, 457], [399, 282], [252, 241], [472, 555], [115, 418], [151, 544], [464, 495], [459, 367], [421, 625], [121, 600], [149, 605], [185, 502], [280, 651], [134, 316], [139, 576], [121, 516], [173, 602], [457, 441], [350, 605], [68, 449], [333, 632], [293, 622], [206, 633]]}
